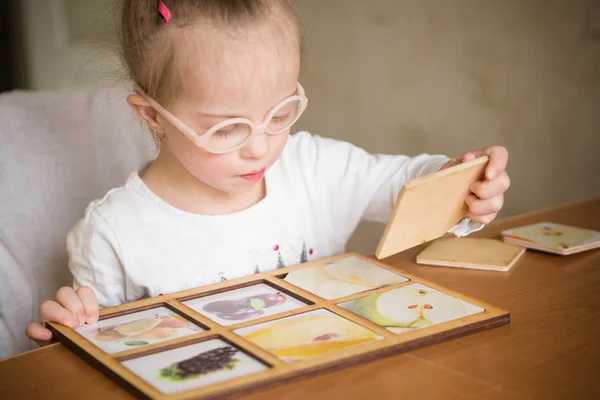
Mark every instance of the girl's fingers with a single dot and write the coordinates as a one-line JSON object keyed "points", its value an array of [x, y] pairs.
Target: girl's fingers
{"points": [[484, 207], [89, 302], [489, 189], [68, 299], [482, 219], [37, 332], [469, 156], [498, 156], [52, 311]]}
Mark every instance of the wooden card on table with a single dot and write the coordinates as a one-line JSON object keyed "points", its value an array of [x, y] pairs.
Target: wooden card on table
{"points": [[553, 238], [241, 335], [429, 206], [472, 253]]}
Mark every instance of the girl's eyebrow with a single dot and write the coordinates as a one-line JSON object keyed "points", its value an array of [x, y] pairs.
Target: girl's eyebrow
{"points": [[215, 116], [218, 116]]}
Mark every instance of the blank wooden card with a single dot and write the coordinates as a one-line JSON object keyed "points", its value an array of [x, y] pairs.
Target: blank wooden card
{"points": [[429, 206], [237, 336], [473, 253]]}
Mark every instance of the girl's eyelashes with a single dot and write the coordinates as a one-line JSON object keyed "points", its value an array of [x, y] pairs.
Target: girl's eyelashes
{"points": [[224, 134], [281, 118], [236, 132]]}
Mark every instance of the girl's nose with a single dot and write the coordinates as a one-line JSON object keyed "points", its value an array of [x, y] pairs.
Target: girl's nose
{"points": [[257, 147]]}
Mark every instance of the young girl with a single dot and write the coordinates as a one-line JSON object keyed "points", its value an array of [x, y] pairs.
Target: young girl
{"points": [[230, 193]]}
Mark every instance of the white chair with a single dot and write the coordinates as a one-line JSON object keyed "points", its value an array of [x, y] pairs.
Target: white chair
{"points": [[58, 151]]}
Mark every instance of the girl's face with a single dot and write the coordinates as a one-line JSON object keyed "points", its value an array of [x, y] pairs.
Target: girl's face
{"points": [[228, 74]]}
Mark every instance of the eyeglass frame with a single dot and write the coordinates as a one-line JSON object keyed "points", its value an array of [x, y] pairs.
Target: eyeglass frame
{"points": [[201, 140]]}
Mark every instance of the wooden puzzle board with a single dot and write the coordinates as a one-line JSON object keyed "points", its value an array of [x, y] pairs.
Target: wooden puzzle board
{"points": [[243, 334]]}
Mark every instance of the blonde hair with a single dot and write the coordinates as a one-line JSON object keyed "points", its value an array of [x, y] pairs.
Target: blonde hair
{"points": [[148, 50]]}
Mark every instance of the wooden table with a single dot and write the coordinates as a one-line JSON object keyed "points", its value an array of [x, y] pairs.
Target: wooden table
{"points": [[550, 350]]}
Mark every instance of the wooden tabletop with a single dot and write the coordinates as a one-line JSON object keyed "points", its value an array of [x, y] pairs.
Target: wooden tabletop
{"points": [[550, 350]]}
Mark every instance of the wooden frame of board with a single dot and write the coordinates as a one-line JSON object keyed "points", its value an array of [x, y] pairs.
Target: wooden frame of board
{"points": [[277, 369], [429, 206]]}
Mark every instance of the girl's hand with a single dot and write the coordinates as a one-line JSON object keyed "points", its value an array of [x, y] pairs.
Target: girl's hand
{"points": [[71, 308], [487, 196]]}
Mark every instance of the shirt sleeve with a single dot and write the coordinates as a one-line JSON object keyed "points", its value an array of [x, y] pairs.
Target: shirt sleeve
{"points": [[95, 260], [358, 186]]}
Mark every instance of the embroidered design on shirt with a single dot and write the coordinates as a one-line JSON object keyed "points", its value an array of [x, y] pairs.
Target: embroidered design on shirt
{"points": [[256, 269], [280, 263], [303, 254], [222, 275]]}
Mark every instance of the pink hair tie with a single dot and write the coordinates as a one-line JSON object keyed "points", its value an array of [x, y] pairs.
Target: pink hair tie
{"points": [[164, 13]]}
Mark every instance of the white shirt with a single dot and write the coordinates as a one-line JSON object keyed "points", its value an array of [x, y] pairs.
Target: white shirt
{"points": [[131, 244]]}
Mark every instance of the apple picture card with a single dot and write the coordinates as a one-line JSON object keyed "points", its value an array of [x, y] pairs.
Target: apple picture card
{"points": [[410, 307]]}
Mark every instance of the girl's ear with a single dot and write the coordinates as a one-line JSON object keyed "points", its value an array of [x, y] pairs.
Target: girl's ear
{"points": [[145, 111]]}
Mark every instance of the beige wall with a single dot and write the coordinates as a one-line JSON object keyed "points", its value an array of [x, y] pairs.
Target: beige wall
{"points": [[402, 76], [449, 76]]}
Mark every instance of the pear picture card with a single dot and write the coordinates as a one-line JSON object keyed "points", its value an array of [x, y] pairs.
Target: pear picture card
{"points": [[553, 238], [342, 277], [472, 253], [429, 206]]}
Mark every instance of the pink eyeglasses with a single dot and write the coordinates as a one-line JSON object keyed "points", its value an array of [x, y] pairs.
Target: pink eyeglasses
{"points": [[234, 133]]}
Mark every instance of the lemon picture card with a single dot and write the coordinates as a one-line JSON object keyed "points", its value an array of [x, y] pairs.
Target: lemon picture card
{"points": [[237, 336], [307, 335], [553, 238], [342, 277]]}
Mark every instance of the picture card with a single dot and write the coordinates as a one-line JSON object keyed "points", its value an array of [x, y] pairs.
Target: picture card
{"points": [[473, 253], [307, 335], [554, 238], [244, 304], [343, 277], [410, 307], [193, 366], [138, 329]]}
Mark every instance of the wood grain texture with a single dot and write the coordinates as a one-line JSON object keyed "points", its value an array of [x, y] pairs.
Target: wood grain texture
{"points": [[475, 253], [429, 206], [548, 351]]}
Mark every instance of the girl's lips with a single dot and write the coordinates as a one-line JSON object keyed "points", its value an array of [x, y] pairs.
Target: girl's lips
{"points": [[254, 176]]}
